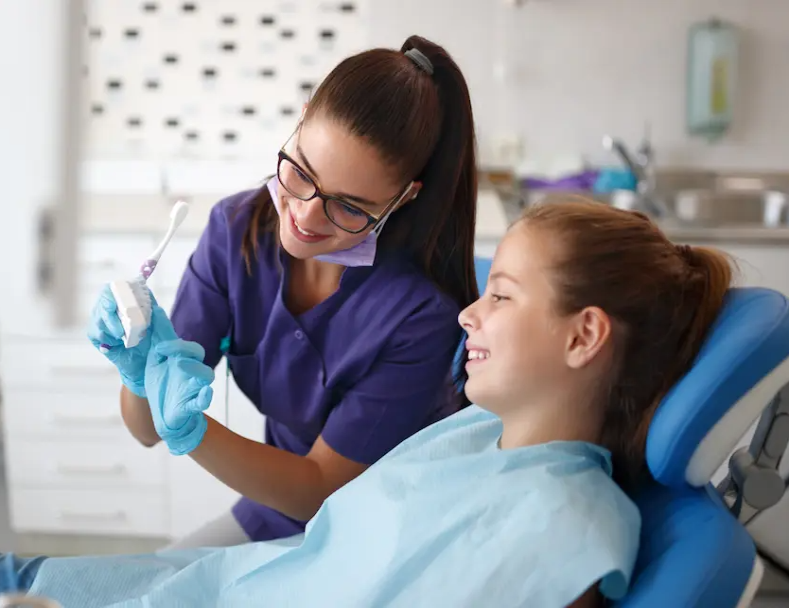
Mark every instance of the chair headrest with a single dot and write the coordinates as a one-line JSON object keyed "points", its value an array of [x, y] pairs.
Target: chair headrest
{"points": [[742, 365]]}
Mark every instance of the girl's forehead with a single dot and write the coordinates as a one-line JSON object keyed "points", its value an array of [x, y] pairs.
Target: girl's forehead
{"points": [[525, 253]]}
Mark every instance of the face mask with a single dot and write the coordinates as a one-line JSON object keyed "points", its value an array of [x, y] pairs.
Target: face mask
{"points": [[361, 254]]}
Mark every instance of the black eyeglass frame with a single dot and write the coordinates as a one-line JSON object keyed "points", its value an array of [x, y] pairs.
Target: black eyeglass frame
{"points": [[372, 220]]}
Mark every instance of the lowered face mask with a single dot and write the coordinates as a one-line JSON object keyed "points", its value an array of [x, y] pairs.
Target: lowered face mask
{"points": [[361, 254]]}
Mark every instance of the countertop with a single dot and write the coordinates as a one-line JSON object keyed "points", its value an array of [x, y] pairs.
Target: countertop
{"points": [[128, 213], [744, 234], [697, 233]]}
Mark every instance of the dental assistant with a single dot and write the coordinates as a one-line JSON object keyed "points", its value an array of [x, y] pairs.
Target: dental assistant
{"points": [[338, 283]]}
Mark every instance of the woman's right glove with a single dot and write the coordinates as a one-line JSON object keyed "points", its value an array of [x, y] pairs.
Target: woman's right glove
{"points": [[105, 332]]}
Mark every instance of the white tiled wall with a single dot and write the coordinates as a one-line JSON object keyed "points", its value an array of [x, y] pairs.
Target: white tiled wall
{"points": [[208, 79]]}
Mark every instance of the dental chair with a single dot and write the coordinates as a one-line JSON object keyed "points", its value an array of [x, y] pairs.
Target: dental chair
{"points": [[695, 550]]}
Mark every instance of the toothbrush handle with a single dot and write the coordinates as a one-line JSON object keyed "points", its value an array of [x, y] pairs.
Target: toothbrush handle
{"points": [[160, 249], [177, 216]]}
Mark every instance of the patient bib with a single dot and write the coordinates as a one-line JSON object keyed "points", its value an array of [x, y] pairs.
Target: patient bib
{"points": [[445, 519]]}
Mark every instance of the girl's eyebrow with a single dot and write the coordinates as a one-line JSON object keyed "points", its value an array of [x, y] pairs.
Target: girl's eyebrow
{"points": [[500, 274]]}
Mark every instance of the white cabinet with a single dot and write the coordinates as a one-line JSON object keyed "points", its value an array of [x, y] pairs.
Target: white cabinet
{"points": [[761, 265], [195, 495], [97, 510], [71, 464], [72, 467]]}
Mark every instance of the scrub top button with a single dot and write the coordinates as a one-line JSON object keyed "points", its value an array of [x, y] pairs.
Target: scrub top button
{"points": [[299, 334]]}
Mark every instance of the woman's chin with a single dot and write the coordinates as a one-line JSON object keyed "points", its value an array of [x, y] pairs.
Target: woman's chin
{"points": [[295, 248]]}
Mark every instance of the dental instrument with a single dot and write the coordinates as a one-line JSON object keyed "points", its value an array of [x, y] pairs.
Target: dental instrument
{"points": [[133, 298]]}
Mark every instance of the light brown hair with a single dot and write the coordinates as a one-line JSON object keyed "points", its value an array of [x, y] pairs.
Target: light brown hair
{"points": [[661, 298]]}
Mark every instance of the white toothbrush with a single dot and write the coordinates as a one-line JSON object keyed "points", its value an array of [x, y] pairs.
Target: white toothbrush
{"points": [[177, 215], [133, 297]]}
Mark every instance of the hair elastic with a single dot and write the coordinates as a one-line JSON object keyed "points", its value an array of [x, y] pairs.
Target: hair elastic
{"points": [[685, 252], [421, 60]]}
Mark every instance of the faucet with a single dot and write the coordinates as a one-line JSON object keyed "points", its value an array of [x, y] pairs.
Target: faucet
{"points": [[642, 165]]}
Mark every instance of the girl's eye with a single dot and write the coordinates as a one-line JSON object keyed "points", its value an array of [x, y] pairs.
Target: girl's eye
{"points": [[498, 298]]}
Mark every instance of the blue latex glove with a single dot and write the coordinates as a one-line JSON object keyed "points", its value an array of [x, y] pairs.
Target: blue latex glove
{"points": [[105, 329], [178, 386]]}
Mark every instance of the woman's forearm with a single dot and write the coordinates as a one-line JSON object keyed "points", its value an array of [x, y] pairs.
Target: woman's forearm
{"points": [[293, 485], [136, 415]]}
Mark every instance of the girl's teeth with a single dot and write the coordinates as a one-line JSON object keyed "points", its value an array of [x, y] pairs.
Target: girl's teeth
{"points": [[478, 354]]}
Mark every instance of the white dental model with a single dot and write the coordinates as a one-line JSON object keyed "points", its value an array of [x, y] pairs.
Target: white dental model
{"points": [[133, 297]]}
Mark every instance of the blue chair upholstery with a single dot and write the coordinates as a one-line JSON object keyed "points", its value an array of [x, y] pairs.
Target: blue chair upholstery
{"points": [[482, 269], [694, 552]]}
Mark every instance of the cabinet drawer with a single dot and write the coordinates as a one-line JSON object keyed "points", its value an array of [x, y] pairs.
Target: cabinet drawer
{"points": [[166, 299], [108, 257], [126, 513], [173, 263], [65, 414], [56, 362], [118, 463]]}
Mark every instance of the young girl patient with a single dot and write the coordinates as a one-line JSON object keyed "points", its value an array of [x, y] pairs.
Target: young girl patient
{"points": [[590, 315]]}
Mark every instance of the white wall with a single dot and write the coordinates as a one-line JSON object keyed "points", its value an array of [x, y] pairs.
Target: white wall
{"points": [[580, 68]]}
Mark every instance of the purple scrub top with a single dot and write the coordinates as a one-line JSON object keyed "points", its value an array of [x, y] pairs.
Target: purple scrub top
{"points": [[364, 369]]}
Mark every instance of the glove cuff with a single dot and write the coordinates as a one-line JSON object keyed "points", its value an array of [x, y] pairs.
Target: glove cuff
{"points": [[180, 446], [138, 388]]}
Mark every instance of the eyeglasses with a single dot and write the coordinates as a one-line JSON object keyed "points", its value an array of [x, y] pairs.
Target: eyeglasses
{"points": [[341, 213]]}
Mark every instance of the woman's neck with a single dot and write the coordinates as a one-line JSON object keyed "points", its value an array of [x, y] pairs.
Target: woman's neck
{"points": [[310, 282]]}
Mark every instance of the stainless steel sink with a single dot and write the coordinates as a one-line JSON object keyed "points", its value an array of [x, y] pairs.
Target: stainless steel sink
{"points": [[698, 198], [728, 207]]}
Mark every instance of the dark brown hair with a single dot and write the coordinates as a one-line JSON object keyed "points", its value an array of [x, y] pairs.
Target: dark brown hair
{"points": [[661, 298], [424, 126]]}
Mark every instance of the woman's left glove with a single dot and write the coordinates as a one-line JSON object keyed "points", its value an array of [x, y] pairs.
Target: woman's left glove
{"points": [[177, 384]]}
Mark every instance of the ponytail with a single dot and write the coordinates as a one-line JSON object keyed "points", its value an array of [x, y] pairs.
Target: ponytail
{"points": [[662, 300], [709, 274], [449, 195], [441, 228]]}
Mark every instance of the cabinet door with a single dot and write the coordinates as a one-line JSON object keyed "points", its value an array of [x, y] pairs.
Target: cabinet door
{"points": [[759, 265], [196, 496]]}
